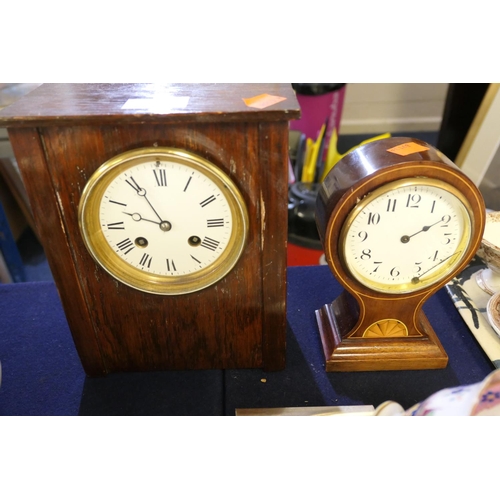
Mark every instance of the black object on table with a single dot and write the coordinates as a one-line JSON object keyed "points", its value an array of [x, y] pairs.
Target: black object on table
{"points": [[42, 374]]}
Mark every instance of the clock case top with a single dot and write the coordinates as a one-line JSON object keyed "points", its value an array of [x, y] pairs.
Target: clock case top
{"points": [[61, 133], [99, 104]]}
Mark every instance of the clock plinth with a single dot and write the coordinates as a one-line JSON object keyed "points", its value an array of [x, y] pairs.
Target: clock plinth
{"points": [[62, 134], [351, 344]]}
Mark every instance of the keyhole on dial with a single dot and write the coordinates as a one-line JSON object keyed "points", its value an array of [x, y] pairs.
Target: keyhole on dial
{"points": [[141, 242], [194, 241]]}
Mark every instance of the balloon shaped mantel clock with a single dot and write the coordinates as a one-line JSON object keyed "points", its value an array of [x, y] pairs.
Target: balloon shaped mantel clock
{"points": [[397, 220]]}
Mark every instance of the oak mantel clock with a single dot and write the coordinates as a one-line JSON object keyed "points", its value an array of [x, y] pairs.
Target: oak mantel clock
{"points": [[397, 220], [162, 212]]}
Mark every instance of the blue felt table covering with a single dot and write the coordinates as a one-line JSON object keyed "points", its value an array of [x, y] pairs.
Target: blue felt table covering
{"points": [[42, 374]]}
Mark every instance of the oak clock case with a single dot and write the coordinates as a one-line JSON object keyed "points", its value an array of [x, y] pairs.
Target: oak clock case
{"points": [[163, 220], [397, 220], [146, 287]]}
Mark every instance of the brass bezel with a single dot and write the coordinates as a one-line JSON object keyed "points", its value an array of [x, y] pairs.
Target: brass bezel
{"points": [[109, 260], [432, 278]]}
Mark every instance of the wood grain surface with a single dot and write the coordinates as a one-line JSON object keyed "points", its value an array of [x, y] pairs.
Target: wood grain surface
{"points": [[62, 133]]}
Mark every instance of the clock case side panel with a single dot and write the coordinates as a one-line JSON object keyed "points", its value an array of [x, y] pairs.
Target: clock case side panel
{"points": [[140, 331], [53, 233], [274, 230]]}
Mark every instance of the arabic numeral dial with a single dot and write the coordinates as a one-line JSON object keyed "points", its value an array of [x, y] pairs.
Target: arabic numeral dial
{"points": [[405, 236]]}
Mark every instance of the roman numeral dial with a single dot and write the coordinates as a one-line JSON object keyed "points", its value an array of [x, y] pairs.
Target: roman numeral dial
{"points": [[170, 217]]}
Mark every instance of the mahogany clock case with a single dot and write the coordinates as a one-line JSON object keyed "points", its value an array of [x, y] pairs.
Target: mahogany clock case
{"points": [[344, 322], [62, 133]]}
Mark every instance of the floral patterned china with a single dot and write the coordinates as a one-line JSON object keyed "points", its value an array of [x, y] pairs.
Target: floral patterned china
{"points": [[489, 279], [481, 399], [493, 312]]}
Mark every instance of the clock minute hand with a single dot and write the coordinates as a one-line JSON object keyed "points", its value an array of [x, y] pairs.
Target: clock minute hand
{"points": [[417, 278], [142, 192], [157, 214]]}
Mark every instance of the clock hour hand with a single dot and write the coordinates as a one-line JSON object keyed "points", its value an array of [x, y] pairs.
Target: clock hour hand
{"points": [[164, 225], [138, 217], [406, 239]]}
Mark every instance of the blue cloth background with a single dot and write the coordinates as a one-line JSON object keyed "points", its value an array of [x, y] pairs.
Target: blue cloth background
{"points": [[42, 374]]}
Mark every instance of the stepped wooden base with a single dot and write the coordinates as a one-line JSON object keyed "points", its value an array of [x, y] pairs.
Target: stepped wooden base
{"points": [[346, 350]]}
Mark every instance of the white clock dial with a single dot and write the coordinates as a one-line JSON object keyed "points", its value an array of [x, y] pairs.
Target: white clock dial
{"points": [[406, 236], [165, 218]]}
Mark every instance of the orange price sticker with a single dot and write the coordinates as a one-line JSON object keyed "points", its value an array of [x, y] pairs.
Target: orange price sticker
{"points": [[263, 101], [407, 149]]}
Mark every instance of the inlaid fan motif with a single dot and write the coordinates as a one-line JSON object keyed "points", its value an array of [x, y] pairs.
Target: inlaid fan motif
{"points": [[386, 328]]}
